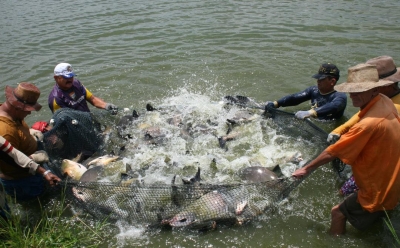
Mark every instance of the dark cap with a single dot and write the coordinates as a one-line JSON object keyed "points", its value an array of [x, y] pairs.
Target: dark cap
{"points": [[326, 70]]}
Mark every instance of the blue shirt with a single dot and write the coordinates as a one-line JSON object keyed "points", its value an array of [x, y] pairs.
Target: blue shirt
{"points": [[329, 106]]}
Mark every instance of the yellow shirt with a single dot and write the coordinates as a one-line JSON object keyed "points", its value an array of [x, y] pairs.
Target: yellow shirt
{"points": [[19, 137], [371, 147], [342, 129]]}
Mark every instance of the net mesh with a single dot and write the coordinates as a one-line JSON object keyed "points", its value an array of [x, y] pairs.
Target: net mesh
{"points": [[195, 205], [73, 132]]}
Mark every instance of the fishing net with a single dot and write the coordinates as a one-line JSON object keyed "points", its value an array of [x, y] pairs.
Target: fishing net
{"points": [[285, 122], [195, 205], [73, 132]]}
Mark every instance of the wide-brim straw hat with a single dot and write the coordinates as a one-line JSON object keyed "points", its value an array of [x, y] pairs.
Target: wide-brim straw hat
{"points": [[360, 78], [24, 96], [386, 68]]}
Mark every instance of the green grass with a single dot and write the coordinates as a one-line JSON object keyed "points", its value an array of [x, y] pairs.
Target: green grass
{"points": [[391, 229], [50, 228]]}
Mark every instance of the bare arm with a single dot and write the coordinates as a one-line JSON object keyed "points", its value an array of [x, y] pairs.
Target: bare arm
{"points": [[322, 159], [97, 102]]}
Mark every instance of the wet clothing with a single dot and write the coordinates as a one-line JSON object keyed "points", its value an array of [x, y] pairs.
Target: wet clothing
{"points": [[328, 106], [371, 148], [356, 215], [75, 98], [25, 188]]}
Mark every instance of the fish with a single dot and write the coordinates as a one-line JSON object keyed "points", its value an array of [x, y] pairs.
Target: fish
{"points": [[149, 107], [154, 136], [75, 170], [296, 158], [194, 180], [91, 175], [178, 195], [242, 117], [125, 122], [226, 207], [72, 169], [175, 120], [102, 160], [223, 139], [222, 206], [256, 174]]}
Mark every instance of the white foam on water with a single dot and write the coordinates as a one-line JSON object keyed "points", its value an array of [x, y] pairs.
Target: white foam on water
{"points": [[129, 234], [182, 148]]}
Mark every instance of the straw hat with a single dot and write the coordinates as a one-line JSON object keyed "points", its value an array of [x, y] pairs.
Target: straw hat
{"points": [[360, 78], [24, 97], [386, 68]]}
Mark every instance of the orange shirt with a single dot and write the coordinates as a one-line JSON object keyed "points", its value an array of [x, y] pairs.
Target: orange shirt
{"points": [[342, 129], [371, 146], [19, 137]]}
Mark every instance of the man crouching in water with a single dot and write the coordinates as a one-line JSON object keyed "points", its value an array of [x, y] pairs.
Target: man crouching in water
{"points": [[371, 148], [24, 180]]}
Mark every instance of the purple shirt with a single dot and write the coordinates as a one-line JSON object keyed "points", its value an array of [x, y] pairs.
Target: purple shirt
{"points": [[59, 98]]}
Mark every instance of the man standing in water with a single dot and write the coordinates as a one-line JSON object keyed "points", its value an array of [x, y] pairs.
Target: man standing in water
{"points": [[387, 70], [24, 179], [326, 103], [370, 147], [70, 93]]}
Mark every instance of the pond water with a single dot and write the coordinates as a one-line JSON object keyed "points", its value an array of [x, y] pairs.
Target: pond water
{"points": [[135, 52]]}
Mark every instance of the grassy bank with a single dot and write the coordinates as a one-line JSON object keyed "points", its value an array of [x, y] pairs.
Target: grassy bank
{"points": [[49, 227]]}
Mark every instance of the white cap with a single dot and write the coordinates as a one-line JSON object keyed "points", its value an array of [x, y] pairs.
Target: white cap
{"points": [[64, 70]]}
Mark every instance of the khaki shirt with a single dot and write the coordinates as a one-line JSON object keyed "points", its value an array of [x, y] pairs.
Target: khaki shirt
{"points": [[19, 136]]}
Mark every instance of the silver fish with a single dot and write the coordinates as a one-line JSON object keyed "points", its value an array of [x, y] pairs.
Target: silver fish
{"points": [[256, 174]]}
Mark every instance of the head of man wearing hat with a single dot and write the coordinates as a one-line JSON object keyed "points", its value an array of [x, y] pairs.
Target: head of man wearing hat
{"points": [[64, 76], [327, 77], [23, 99], [363, 84], [387, 70]]}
